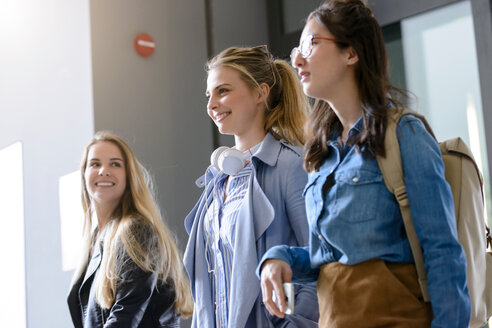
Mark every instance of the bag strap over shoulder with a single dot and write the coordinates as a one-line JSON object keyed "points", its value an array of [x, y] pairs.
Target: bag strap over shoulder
{"points": [[392, 170]]}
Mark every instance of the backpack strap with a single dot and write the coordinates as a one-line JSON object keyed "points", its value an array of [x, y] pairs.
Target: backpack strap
{"points": [[392, 170]]}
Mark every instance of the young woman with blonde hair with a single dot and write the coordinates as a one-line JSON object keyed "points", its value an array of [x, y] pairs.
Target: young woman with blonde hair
{"points": [[253, 192], [131, 274]]}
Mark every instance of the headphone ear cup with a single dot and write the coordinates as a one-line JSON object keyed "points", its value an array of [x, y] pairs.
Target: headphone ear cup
{"points": [[231, 161], [214, 158]]}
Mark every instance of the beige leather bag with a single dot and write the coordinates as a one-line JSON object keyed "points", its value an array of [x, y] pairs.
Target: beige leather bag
{"points": [[465, 180]]}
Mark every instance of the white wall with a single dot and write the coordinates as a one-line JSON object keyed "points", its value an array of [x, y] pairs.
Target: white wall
{"points": [[46, 103]]}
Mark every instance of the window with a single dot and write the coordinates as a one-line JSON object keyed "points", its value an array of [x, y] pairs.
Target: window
{"points": [[12, 281]]}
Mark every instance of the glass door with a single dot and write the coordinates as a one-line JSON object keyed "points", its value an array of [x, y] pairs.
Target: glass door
{"points": [[441, 69]]}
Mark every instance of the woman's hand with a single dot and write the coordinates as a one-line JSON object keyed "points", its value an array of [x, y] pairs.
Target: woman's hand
{"points": [[274, 273]]}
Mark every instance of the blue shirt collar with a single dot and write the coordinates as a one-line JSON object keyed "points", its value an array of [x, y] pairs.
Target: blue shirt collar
{"points": [[358, 125], [354, 130]]}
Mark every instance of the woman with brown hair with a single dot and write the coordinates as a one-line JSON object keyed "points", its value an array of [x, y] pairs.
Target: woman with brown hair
{"points": [[359, 253]]}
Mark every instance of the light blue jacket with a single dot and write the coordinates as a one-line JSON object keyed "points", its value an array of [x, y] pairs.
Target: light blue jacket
{"points": [[273, 214]]}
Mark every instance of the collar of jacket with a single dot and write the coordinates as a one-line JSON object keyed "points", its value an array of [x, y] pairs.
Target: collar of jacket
{"points": [[96, 258], [269, 150]]}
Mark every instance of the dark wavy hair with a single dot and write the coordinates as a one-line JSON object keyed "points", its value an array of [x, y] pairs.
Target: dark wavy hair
{"points": [[353, 24]]}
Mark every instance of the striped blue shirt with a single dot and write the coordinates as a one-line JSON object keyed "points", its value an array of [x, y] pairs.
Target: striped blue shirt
{"points": [[219, 228]]}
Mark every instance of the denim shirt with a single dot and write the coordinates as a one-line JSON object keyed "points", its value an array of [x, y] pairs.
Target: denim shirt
{"points": [[353, 218]]}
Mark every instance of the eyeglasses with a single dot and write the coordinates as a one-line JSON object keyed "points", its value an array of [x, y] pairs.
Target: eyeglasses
{"points": [[306, 46]]}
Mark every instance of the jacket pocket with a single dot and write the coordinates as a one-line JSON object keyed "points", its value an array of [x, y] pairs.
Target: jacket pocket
{"points": [[313, 199]]}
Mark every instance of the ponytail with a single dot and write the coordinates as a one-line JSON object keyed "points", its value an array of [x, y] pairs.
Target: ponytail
{"points": [[288, 106]]}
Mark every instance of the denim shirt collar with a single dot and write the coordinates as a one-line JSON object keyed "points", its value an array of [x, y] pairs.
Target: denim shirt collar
{"points": [[334, 143], [354, 130], [357, 126]]}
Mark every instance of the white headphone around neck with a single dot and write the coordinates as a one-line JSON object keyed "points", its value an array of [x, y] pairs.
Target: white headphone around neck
{"points": [[228, 160]]}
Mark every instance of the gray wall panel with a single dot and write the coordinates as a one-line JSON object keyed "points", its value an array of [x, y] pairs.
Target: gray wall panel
{"points": [[155, 103], [235, 23]]}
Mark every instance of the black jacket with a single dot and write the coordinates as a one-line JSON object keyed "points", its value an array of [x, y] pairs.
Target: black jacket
{"points": [[139, 301]]}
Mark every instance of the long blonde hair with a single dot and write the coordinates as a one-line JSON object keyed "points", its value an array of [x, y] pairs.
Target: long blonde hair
{"points": [[137, 230], [287, 105]]}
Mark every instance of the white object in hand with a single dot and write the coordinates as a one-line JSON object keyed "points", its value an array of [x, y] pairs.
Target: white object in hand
{"points": [[289, 298]]}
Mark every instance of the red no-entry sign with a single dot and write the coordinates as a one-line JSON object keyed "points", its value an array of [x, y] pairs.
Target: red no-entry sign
{"points": [[144, 45]]}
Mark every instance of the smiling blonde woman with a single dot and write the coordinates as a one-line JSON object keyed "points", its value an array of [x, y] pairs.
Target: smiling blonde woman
{"points": [[243, 212], [131, 274]]}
